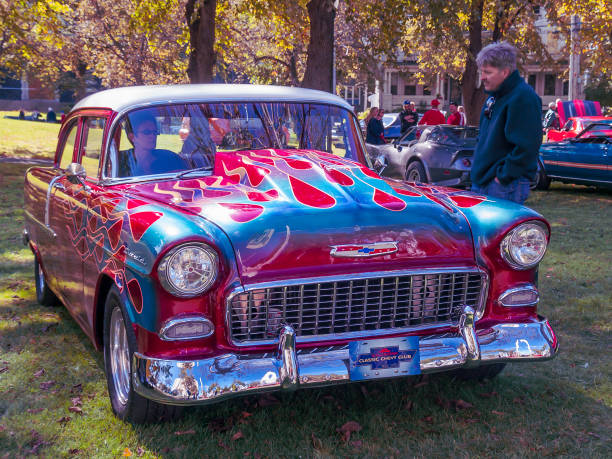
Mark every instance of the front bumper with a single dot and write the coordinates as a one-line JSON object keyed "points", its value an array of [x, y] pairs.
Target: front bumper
{"points": [[209, 380]]}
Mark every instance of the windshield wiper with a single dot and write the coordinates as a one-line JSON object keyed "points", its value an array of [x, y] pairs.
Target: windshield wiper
{"points": [[190, 171]]}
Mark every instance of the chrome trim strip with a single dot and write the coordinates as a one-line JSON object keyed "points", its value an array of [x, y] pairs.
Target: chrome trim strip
{"points": [[205, 381], [185, 319], [510, 291], [39, 223], [362, 276]]}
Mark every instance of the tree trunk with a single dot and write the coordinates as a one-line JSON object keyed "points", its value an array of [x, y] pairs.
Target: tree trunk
{"points": [[201, 23], [473, 96], [320, 60]]}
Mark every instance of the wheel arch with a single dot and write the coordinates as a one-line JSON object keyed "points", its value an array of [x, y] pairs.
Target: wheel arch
{"points": [[105, 283], [418, 159]]}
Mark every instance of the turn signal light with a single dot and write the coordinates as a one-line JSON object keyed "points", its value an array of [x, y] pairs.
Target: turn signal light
{"points": [[520, 297], [184, 328]]}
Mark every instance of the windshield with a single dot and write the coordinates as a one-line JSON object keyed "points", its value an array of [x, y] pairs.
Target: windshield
{"points": [[180, 138], [465, 136], [598, 128], [389, 119]]}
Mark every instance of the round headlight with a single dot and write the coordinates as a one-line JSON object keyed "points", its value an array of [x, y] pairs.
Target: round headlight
{"points": [[525, 245], [188, 270]]}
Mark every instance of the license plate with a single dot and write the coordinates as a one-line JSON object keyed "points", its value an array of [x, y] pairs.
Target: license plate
{"points": [[384, 358]]}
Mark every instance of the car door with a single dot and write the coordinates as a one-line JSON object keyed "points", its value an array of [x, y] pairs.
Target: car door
{"points": [[98, 215], [66, 216], [53, 246]]}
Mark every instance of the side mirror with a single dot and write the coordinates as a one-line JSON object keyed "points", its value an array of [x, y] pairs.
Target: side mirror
{"points": [[76, 173], [380, 163]]}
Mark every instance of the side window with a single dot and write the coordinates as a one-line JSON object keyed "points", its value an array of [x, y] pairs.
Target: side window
{"points": [[91, 144], [66, 154]]}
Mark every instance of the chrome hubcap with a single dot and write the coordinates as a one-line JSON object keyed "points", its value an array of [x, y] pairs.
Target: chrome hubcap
{"points": [[414, 176], [119, 356]]}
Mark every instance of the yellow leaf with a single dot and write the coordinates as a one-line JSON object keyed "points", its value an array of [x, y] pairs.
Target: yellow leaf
{"points": [[127, 452]]}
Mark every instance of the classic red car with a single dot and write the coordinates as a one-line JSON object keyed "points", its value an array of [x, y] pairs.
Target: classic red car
{"points": [[573, 126], [207, 269]]}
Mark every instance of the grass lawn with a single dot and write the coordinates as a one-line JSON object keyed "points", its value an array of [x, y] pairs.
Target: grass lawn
{"points": [[27, 139], [53, 397]]}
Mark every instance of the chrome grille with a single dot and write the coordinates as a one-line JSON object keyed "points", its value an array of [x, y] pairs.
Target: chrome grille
{"points": [[340, 307]]}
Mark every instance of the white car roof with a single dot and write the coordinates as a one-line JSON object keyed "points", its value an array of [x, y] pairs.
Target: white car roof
{"points": [[126, 98]]}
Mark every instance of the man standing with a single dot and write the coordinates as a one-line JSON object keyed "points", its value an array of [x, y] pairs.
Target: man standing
{"points": [[506, 157], [551, 120], [408, 117], [433, 116], [455, 117]]}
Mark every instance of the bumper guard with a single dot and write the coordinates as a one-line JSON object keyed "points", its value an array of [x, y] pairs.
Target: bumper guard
{"points": [[194, 382]]}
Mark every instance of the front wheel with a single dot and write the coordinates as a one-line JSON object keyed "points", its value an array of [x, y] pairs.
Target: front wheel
{"points": [[119, 346], [416, 173], [542, 180], [44, 295]]}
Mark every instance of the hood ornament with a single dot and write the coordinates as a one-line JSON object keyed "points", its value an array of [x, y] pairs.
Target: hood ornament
{"points": [[363, 250]]}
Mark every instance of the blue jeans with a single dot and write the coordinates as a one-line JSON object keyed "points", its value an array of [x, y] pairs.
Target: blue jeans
{"points": [[516, 191]]}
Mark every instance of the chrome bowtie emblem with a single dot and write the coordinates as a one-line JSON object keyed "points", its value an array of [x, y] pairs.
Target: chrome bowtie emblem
{"points": [[363, 250]]}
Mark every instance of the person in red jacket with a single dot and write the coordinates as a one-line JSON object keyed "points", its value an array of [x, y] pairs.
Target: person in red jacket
{"points": [[433, 116], [454, 117]]}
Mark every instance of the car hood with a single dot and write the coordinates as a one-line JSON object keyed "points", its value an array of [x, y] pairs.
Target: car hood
{"points": [[284, 210]]}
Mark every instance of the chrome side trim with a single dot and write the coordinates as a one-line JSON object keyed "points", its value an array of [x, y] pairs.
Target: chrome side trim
{"points": [[48, 202], [466, 328], [193, 382], [510, 291], [361, 276], [39, 223]]}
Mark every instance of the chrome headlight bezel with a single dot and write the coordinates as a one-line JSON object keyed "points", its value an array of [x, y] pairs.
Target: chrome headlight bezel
{"points": [[506, 248], [168, 258]]}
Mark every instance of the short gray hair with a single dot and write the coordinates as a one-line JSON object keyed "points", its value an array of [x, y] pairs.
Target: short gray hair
{"points": [[501, 55]]}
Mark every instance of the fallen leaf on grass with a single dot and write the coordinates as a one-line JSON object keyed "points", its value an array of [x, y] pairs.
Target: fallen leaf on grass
{"points": [[140, 451], [64, 419], [39, 373], [126, 452], [74, 451], [409, 405], [237, 436], [518, 400], [316, 442], [421, 384], [347, 429], [34, 411], [498, 413], [3, 369], [245, 414], [75, 409], [356, 444], [488, 394], [462, 404], [76, 401], [76, 389], [47, 385], [427, 419], [185, 432], [219, 425]]}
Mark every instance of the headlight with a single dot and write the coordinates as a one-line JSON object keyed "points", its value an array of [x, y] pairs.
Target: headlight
{"points": [[188, 270], [525, 245]]}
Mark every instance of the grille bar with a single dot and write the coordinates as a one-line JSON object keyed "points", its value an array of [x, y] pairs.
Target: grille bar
{"points": [[339, 307]]}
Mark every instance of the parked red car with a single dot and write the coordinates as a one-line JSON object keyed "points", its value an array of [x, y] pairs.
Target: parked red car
{"points": [[207, 269], [573, 126]]}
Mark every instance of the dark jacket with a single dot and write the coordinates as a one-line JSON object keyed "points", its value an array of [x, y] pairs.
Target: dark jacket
{"points": [[510, 135], [375, 131], [408, 124], [551, 120]]}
